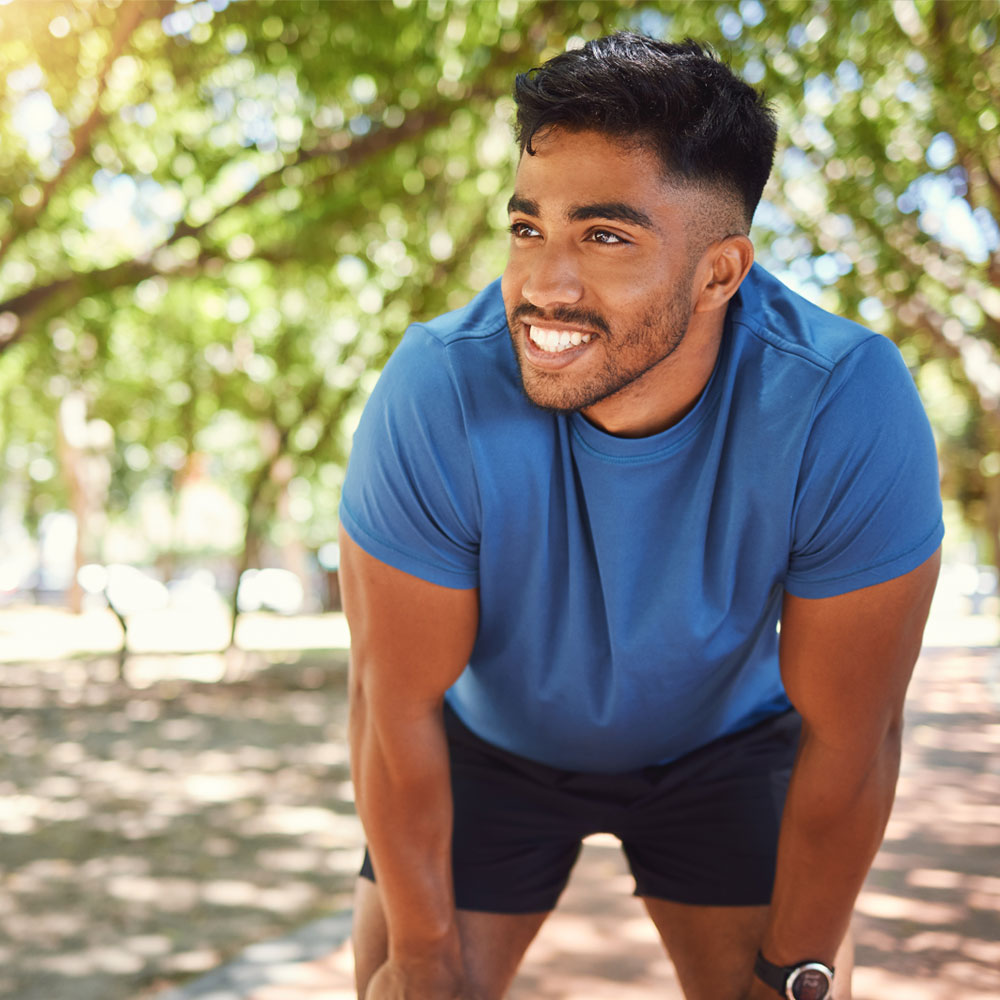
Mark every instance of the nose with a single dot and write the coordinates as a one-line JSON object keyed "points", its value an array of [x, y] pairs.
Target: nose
{"points": [[552, 278]]}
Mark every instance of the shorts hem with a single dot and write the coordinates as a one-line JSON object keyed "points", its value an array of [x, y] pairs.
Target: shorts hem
{"points": [[685, 899]]}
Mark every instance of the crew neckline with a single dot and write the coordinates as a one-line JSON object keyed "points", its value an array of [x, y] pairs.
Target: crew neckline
{"points": [[620, 449]]}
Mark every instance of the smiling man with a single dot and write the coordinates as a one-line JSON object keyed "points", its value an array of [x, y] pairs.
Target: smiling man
{"points": [[576, 511]]}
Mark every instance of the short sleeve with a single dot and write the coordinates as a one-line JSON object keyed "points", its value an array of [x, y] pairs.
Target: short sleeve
{"points": [[868, 502], [409, 496]]}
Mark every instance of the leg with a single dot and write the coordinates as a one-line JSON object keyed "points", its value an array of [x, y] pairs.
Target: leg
{"points": [[514, 842], [711, 839], [493, 944], [713, 948]]}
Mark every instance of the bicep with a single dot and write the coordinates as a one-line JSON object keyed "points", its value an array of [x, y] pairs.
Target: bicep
{"points": [[410, 639], [846, 660]]}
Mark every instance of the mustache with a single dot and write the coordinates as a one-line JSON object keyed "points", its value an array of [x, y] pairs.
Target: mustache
{"points": [[525, 312]]}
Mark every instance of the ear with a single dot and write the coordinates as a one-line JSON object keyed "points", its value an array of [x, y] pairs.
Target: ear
{"points": [[722, 269]]}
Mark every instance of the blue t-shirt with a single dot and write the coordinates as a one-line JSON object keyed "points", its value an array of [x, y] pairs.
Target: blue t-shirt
{"points": [[630, 589]]}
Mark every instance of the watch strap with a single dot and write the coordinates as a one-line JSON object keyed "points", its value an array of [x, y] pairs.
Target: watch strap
{"points": [[777, 976], [770, 974]]}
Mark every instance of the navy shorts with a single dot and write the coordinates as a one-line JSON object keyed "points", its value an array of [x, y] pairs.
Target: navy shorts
{"points": [[702, 829]]}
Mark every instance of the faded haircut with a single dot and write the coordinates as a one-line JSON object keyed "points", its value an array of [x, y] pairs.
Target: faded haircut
{"points": [[705, 124]]}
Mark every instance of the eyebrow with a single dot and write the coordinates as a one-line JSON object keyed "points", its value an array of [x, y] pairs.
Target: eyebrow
{"points": [[615, 210], [519, 204]]}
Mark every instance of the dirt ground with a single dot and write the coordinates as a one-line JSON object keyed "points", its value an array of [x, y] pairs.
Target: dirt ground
{"points": [[148, 835], [928, 919]]}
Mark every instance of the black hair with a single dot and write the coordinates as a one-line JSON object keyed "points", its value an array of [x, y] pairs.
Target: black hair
{"points": [[678, 100]]}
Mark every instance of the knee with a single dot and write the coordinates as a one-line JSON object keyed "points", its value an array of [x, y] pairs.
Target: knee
{"points": [[844, 965], [369, 935]]}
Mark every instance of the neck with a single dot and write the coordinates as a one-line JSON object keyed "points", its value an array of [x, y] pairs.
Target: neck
{"points": [[665, 394]]}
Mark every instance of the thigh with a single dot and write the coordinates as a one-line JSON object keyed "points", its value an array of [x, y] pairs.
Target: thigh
{"points": [[706, 834], [713, 948], [493, 944], [515, 832], [516, 829]]}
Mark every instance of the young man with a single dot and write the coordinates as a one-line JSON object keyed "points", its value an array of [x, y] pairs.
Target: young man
{"points": [[576, 510]]}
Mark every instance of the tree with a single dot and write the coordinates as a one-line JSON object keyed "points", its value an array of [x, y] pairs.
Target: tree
{"points": [[887, 202], [218, 218], [213, 205]]}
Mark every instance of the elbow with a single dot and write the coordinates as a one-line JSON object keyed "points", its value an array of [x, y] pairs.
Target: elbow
{"points": [[358, 706], [878, 770], [892, 742], [837, 780], [890, 753], [357, 685]]}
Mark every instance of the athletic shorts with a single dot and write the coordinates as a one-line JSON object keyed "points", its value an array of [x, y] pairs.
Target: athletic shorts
{"points": [[702, 829]]}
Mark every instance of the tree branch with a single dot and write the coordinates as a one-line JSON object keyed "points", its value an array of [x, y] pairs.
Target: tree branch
{"points": [[131, 16], [352, 155], [342, 155]]}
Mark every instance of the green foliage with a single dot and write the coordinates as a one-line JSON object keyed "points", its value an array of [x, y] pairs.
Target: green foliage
{"points": [[891, 183], [217, 218]]}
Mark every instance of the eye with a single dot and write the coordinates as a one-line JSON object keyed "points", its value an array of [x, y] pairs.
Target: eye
{"points": [[606, 237], [522, 230]]}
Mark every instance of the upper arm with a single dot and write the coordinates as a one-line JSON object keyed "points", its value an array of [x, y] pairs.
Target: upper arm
{"points": [[410, 639], [846, 660], [868, 500]]}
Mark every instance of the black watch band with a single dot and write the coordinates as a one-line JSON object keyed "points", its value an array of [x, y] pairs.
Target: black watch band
{"points": [[809, 980]]}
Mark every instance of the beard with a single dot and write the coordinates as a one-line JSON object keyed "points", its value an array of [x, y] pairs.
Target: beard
{"points": [[624, 356]]}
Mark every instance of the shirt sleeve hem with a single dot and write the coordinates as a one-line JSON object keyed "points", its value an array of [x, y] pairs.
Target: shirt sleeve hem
{"points": [[800, 586], [405, 561]]}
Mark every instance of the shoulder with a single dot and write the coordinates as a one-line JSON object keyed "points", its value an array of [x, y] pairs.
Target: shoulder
{"points": [[481, 320], [453, 376], [790, 325], [464, 350], [806, 360]]}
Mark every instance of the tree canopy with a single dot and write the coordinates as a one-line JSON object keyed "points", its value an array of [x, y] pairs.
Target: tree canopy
{"points": [[217, 218]]}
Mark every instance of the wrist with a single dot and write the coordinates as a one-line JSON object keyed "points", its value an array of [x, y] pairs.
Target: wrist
{"points": [[758, 991], [429, 959], [416, 979], [418, 931], [809, 979], [433, 973]]}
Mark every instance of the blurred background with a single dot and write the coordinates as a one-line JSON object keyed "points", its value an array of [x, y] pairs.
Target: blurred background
{"points": [[217, 218]]}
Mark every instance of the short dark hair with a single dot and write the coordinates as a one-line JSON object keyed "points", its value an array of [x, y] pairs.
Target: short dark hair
{"points": [[679, 100]]}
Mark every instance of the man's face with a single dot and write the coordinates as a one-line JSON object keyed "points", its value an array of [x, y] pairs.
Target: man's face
{"points": [[598, 285]]}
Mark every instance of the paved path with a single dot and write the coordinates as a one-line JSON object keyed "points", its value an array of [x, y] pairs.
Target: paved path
{"points": [[928, 923]]}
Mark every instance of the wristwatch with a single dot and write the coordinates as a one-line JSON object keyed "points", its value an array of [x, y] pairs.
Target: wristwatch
{"points": [[808, 980]]}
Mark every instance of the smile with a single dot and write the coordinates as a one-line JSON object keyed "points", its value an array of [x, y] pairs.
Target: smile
{"points": [[557, 341]]}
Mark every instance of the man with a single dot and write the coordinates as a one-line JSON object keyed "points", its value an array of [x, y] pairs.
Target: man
{"points": [[574, 513]]}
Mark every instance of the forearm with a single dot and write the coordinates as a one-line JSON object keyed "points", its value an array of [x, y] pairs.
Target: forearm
{"points": [[403, 797], [835, 816]]}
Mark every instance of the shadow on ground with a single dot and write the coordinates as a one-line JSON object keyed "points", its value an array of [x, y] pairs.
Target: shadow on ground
{"points": [[929, 919], [148, 835]]}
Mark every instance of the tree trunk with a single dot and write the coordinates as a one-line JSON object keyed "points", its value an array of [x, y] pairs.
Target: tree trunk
{"points": [[250, 553], [71, 462], [993, 522]]}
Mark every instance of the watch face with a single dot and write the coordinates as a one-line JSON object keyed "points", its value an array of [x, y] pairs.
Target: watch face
{"points": [[810, 984]]}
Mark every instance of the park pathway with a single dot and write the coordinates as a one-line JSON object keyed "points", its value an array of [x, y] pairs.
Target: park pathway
{"points": [[928, 922]]}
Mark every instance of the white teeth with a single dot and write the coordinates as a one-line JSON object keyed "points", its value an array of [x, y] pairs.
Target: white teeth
{"points": [[555, 341]]}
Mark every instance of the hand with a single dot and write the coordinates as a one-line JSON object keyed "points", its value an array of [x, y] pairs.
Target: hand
{"points": [[759, 991], [428, 980]]}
